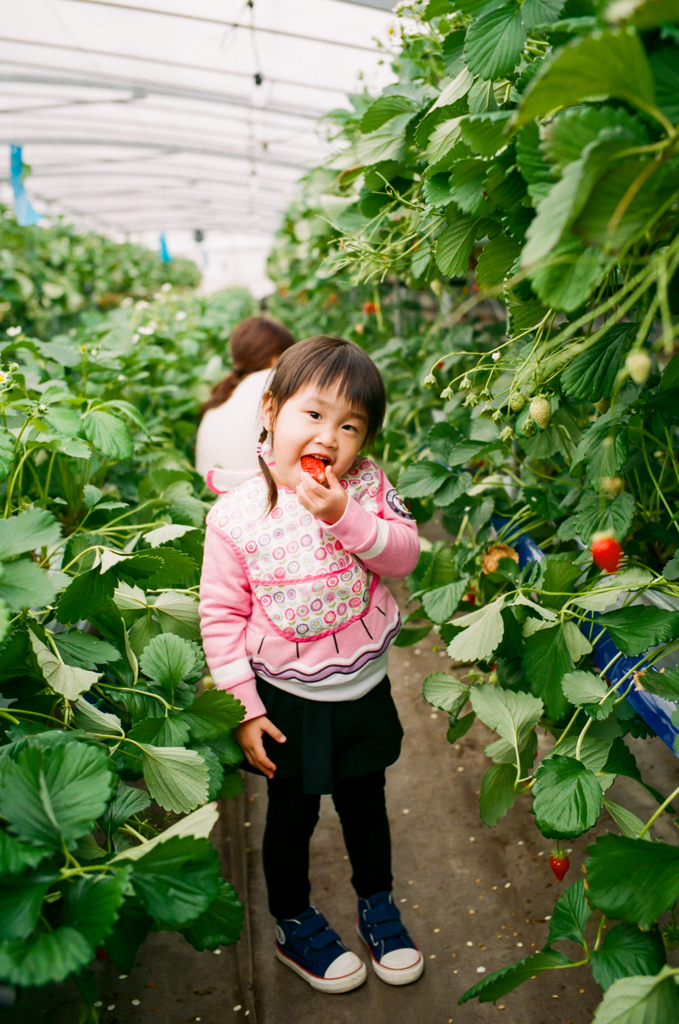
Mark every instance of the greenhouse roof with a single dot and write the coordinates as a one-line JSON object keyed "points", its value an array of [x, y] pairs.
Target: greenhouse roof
{"points": [[167, 115]]}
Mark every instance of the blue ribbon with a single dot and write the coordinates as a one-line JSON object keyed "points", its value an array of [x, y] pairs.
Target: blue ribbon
{"points": [[164, 254], [25, 214]]}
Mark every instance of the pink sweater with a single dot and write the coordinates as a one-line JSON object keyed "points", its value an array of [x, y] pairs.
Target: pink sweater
{"points": [[240, 640]]}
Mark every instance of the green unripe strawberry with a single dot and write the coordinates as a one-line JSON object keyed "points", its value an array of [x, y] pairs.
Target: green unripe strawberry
{"points": [[540, 412], [602, 406], [517, 402], [639, 366]]}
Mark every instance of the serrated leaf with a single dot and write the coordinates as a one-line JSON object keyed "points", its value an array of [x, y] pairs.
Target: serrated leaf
{"points": [[591, 68], [213, 713], [627, 822], [497, 793], [177, 880], [384, 143], [540, 12], [584, 688], [442, 139], [546, 660], [89, 718], [26, 531], [567, 797], [177, 779], [495, 42], [467, 180], [454, 247], [570, 915], [482, 632], [92, 904], [513, 716], [442, 602], [198, 825], [591, 374], [445, 692], [221, 924], [631, 879], [485, 133], [383, 109], [497, 259], [638, 1000], [567, 280], [84, 650], [635, 629], [422, 479], [499, 983], [44, 957], [87, 594], [601, 513], [163, 534], [109, 434], [24, 584], [126, 802], [455, 90], [62, 678], [52, 794], [15, 856], [21, 899], [568, 134], [168, 660]]}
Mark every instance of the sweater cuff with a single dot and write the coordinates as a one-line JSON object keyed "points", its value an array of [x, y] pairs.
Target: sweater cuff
{"points": [[246, 693], [357, 530]]}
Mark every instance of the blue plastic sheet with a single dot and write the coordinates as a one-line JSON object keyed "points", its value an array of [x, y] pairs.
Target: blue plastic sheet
{"points": [[25, 214]]}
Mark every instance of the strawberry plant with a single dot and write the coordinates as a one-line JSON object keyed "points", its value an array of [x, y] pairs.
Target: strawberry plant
{"points": [[512, 200], [112, 753]]}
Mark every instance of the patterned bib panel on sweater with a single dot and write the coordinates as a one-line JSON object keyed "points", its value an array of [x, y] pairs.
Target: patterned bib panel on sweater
{"points": [[306, 583]]}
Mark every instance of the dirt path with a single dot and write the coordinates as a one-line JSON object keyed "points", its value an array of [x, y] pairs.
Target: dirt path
{"points": [[474, 899]]}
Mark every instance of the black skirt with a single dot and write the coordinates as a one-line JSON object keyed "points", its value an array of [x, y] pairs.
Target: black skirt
{"points": [[328, 740]]}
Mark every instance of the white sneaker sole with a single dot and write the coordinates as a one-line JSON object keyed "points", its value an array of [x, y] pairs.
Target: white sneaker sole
{"points": [[331, 986], [392, 975]]}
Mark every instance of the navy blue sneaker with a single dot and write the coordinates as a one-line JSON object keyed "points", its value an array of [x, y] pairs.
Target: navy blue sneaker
{"points": [[395, 957], [314, 951]]}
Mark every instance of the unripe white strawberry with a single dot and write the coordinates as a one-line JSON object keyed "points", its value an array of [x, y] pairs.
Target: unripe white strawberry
{"points": [[540, 412], [613, 485], [639, 366], [517, 402]]}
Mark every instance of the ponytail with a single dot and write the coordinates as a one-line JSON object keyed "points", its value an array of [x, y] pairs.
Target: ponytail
{"points": [[266, 473]]}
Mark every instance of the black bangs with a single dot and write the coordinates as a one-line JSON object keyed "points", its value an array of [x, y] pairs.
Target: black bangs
{"points": [[332, 363]]}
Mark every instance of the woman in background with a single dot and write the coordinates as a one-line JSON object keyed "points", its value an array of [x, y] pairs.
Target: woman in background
{"points": [[230, 418]]}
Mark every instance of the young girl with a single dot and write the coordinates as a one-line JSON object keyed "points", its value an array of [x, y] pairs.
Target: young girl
{"points": [[297, 624]]}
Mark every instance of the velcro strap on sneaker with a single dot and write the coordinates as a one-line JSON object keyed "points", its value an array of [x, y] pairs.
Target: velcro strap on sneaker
{"points": [[385, 912], [386, 930], [323, 939], [311, 927]]}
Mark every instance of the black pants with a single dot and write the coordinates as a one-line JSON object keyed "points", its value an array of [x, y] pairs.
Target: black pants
{"points": [[291, 818]]}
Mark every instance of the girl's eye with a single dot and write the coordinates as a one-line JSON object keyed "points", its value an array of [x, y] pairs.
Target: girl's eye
{"points": [[315, 415], [349, 426]]}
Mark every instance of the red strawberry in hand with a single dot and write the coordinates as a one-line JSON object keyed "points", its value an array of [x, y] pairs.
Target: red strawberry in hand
{"points": [[606, 551], [559, 863], [315, 467]]}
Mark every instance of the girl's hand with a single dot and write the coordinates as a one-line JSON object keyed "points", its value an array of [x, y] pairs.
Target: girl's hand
{"points": [[249, 736], [327, 503]]}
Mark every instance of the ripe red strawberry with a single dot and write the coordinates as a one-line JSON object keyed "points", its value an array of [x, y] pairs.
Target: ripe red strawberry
{"points": [[559, 863], [369, 307], [606, 551], [315, 467]]}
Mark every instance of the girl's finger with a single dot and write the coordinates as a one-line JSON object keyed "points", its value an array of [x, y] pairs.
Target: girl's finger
{"points": [[272, 731]]}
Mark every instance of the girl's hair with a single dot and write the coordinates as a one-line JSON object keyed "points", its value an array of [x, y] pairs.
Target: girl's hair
{"points": [[254, 343], [327, 363]]}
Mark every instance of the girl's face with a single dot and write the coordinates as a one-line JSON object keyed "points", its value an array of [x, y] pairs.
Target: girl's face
{"points": [[315, 421]]}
